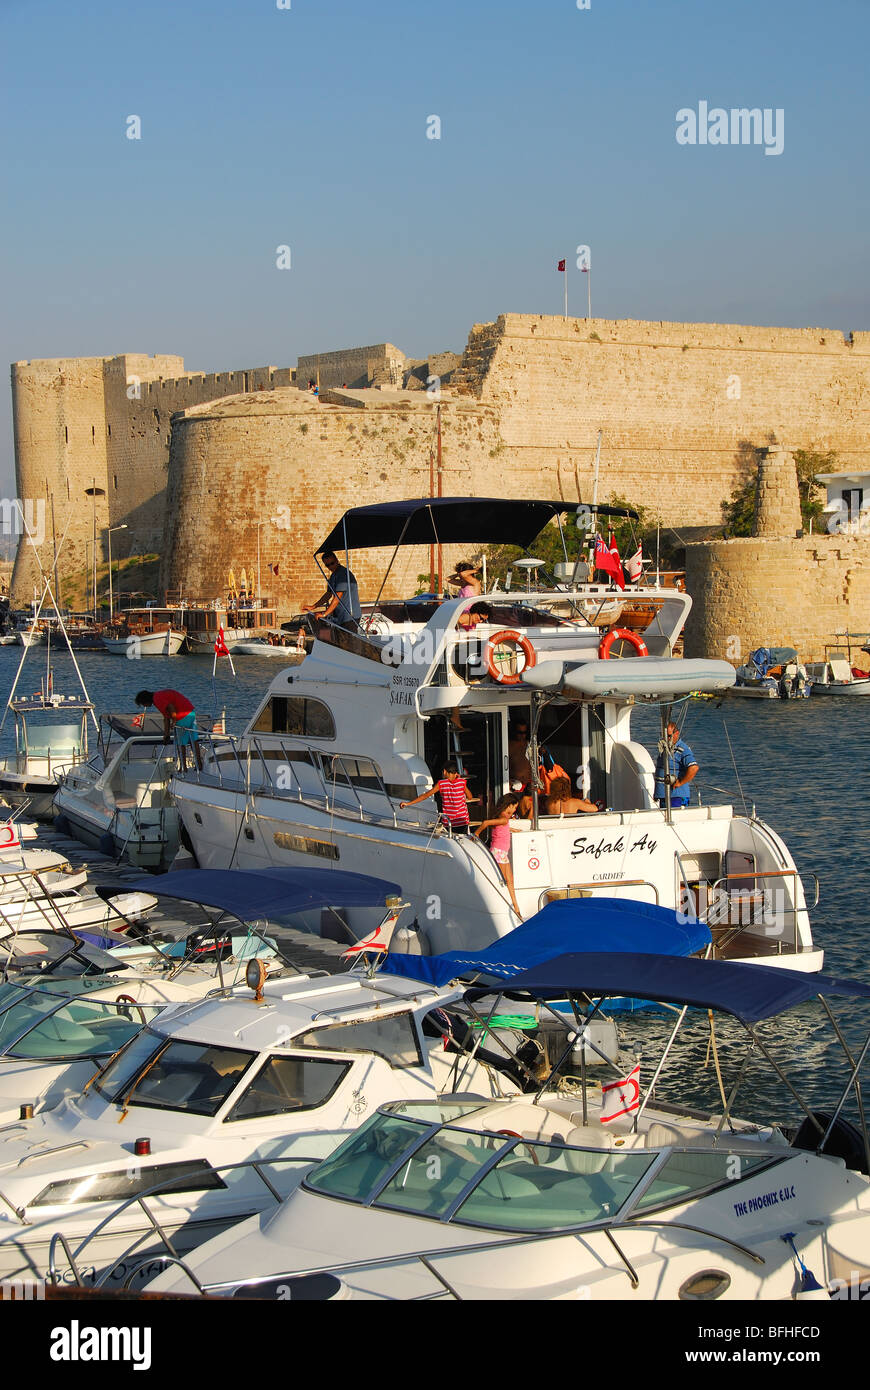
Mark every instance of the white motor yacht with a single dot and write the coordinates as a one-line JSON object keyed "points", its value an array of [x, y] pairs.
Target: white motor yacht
{"points": [[120, 802], [567, 1195], [212, 1112], [846, 667], [339, 744]]}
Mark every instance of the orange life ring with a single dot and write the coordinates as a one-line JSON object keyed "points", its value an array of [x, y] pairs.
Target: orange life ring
{"points": [[525, 646], [623, 634]]}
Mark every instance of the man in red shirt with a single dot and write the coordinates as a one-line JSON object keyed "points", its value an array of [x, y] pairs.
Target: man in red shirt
{"points": [[178, 711], [455, 798]]}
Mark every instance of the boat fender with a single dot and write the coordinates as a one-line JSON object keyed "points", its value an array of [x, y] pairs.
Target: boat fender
{"points": [[621, 634], [525, 646]]}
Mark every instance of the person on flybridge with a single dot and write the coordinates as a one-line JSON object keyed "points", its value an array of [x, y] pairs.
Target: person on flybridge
{"points": [[340, 602]]}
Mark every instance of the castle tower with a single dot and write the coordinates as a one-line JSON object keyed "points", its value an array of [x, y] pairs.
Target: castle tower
{"points": [[777, 500]]}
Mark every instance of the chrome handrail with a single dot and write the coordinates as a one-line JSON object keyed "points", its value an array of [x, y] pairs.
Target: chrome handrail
{"points": [[609, 885]]}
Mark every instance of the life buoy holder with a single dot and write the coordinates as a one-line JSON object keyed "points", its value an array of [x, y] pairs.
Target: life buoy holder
{"points": [[621, 634], [525, 646]]}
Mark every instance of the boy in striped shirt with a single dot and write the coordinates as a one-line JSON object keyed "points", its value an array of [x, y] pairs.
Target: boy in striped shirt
{"points": [[455, 797]]}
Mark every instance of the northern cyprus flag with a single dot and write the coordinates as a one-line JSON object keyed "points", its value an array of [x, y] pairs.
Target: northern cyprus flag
{"points": [[620, 1097]]}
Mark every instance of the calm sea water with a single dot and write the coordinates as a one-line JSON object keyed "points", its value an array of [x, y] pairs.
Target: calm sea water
{"points": [[802, 764]]}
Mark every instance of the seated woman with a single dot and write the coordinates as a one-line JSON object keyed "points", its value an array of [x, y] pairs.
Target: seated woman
{"points": [[560, 802]]}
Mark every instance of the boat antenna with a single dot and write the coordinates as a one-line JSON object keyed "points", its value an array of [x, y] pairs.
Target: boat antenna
{"points": [[734, 762]]}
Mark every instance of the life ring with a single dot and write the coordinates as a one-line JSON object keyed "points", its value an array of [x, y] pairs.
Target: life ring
{"points": [[525, 646], [621, 634]]}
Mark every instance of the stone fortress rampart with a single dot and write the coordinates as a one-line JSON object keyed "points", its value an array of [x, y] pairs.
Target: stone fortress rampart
{"points": [[199, 467], [102, 425]]}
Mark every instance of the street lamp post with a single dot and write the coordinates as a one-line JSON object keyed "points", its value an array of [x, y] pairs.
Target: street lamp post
{"points": [[122, 527], [259, 589]]}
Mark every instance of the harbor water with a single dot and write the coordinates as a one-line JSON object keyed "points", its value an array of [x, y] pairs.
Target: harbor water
{"points": [[801, 764]]}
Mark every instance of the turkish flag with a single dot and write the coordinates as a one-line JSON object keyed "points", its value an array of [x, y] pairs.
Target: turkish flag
{"points": [[220, 646], [561, 265]]}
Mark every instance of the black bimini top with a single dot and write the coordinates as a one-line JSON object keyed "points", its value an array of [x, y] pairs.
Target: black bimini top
{"points": [[451, 521]]}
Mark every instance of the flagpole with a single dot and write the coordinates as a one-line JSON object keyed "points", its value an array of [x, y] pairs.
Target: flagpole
{"points": [[589, 293], [565, 273]]}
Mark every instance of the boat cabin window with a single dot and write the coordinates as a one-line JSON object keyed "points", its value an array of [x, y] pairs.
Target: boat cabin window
{"points": [[295, 715], [129, 1182], [393, 1037], [83, 1028], [188, 1076], [115, 1078], [287, 1084]]}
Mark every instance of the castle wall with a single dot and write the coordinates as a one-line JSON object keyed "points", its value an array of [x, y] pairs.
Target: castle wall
{"points": [[296, 464], [775, 592], [60, 448], [104, 422], [675, 402], [352, 367]]}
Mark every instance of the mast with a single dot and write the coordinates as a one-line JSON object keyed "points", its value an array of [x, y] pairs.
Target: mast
{"points": [[440, 561]]}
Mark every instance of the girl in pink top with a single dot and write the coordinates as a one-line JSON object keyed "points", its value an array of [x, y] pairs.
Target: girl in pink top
{"points": [[500, 841], [466, 577]]}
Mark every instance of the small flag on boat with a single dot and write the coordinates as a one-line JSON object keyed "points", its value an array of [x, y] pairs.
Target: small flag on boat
{"points": [[9, 837], [561, 265], [634, 566], [138, 720], [606, 560], [220, 646], [377, 941], [620, 1097]]}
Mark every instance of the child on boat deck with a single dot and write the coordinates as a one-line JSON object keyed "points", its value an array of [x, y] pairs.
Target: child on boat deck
{"points": [[455, 798], [500, 840]]}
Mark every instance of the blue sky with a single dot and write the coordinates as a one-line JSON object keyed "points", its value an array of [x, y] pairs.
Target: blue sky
{"points": [[307, 127]]}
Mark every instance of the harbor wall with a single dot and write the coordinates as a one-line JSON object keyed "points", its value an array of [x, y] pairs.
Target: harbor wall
{"points": [[771, 591]]}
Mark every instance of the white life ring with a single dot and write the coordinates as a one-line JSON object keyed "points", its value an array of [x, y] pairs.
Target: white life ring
{"points": [[525, 646]]}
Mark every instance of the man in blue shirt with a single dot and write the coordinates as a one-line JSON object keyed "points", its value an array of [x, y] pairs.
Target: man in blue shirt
{"points": [[681, 768], [340, 603]]}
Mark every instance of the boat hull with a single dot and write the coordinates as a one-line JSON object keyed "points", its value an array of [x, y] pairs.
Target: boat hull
{"points": [[167, 643]]}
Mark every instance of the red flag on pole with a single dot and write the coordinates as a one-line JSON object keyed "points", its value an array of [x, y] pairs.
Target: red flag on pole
{"points": [[220, 646], [561, 265], [606, 560]]}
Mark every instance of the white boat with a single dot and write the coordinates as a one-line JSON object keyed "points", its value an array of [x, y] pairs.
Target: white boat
{"points": [[363, 725], [71, 910], [283, 649], [51, 735], [162, 643], [32, 636], [30, 874], [840, 673], [211, 1113], [63, 1021], [120, 801], [563, 1196]]}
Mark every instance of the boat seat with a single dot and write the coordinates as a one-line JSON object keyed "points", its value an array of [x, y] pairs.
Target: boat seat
{"points": [[662, 1133]]}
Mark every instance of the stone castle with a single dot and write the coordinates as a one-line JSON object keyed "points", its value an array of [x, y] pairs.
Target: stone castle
{"points": [[200, 467]]}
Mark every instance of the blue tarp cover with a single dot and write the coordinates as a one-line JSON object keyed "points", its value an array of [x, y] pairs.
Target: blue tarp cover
{"points": [[578, 924], [749, 992], [252, 893]]}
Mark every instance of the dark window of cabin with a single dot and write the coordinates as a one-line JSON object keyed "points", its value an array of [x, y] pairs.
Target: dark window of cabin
{"points": [[296, 715]]}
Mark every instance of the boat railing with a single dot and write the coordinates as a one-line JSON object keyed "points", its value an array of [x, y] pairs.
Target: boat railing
{"points": [[246, 1166], [568, 890], [425, 1257], [732, 909], [271, 771]]}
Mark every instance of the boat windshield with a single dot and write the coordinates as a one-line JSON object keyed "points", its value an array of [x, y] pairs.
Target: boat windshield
{"points": [[478, 1178], [165, 1073], [79, 1028]]}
